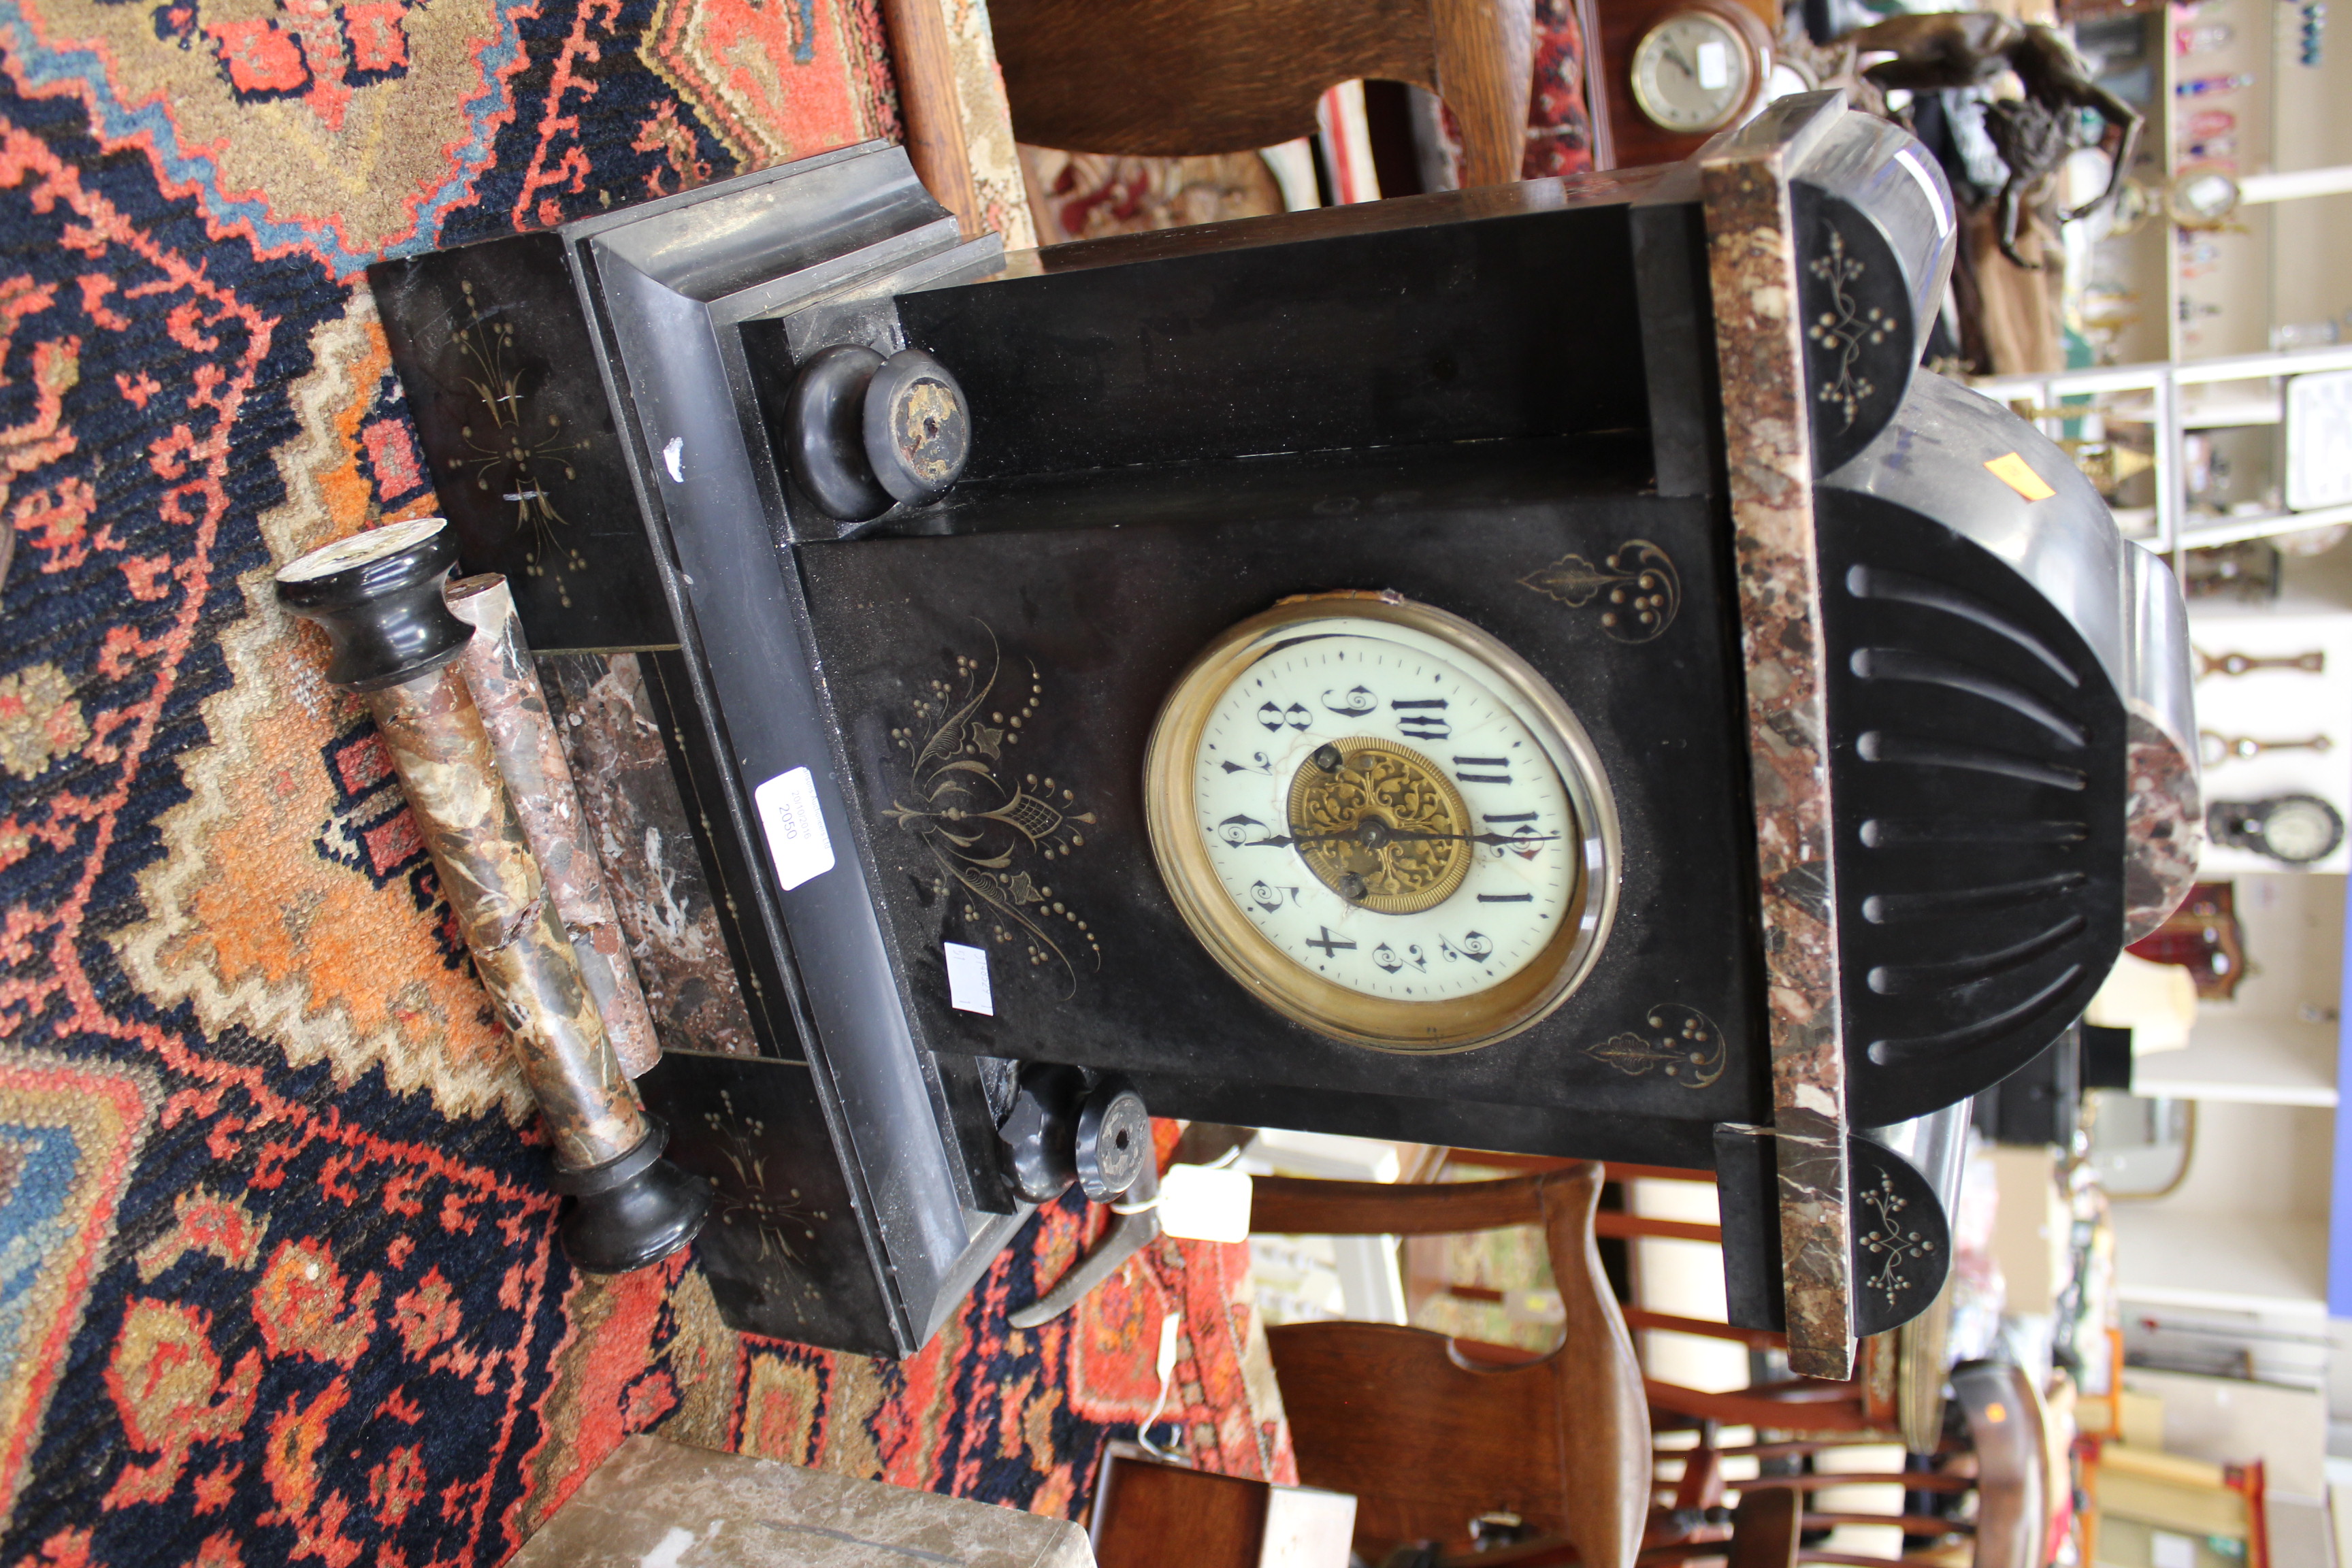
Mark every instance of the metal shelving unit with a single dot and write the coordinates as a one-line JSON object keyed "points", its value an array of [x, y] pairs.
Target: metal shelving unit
{"points": [[2164, 408]]}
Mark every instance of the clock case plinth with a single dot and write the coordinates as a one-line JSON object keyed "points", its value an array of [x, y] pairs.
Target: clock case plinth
{"points": [[1505, 403]]}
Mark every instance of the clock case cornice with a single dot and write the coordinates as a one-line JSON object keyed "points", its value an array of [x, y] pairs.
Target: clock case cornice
{"points": [[1483, 400]]}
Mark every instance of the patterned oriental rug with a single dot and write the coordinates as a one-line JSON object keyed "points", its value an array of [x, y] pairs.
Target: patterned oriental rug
{"points": [[277, 1274]]}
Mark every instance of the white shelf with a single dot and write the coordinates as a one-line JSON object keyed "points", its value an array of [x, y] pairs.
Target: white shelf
{"points": [[2255, 1061], [2209, 406], [2228, 1263], [2168, 396], [2139, 523], [2233, 530], [2203, 407], [2295, 184], [2155, 375]]}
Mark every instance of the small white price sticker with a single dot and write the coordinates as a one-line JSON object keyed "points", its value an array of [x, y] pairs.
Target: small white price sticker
{"points": [[796, 828], [967, 989], [1201, 1203]]}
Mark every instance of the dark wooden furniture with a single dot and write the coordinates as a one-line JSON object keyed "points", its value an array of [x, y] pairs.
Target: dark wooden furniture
{"points": [[2016, 1493], [1996, 1451], [1897, 1388], [1764, 1533], [931, 105], [2204, 937], [1174, 77], [1426, 1433], [1149, 1514]]}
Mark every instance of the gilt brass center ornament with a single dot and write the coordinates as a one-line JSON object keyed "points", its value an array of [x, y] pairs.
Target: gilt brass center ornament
{"points": [[1379, 824]]}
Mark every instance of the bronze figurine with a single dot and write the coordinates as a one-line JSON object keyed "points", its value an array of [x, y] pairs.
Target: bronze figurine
{"points": [[1938, 50]]}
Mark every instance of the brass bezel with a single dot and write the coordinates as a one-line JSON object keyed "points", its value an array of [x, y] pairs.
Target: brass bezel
{"points": [[1735, 19], [1458, 1024]]}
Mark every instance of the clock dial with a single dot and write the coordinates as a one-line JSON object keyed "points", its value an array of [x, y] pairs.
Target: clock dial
{"points": [[2300, 829], [1435, 839], [1384, 822], [1693, 71]]}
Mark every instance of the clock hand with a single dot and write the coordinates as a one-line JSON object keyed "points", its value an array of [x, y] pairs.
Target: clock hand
{"points": [[1675, 56], [1414, 835], [1281, 841], [1374, 834]]}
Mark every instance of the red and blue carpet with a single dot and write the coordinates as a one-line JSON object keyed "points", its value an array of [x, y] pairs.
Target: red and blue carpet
{"points": [[276, 1279]]}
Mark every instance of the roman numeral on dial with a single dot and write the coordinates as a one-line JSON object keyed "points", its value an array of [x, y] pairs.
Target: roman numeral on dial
{"points": [[1422, 717]]}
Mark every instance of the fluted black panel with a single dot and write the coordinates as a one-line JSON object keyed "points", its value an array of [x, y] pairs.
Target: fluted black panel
{"points": [[1979, 758]]}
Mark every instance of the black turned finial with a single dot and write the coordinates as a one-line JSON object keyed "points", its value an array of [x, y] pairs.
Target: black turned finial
{"points": [[863, 433], [1039, 1132], [630, 1212], [1114, 1141], [378, 594], [918, 434], [1060, 1130], [1114, 1162]]}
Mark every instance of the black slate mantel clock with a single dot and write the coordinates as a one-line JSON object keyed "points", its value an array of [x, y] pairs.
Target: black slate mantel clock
{"points": [[1530, 668]]}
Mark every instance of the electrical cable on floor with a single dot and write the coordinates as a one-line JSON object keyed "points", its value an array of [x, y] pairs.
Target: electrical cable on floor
{"points": [[1168, 1327]]}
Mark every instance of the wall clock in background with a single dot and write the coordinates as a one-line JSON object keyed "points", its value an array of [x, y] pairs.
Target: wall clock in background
{"points": [[1701, 67], [2295, 830], [1383, 822]]}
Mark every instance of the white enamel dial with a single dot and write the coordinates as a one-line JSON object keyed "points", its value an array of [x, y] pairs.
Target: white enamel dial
{"points": [[1355, 681], [1383, 822]]}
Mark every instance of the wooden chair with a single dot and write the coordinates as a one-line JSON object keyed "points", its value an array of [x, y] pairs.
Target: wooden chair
{"points": [[1172, 78], [1429, 1432], [1897, 1388], [1432, 1431], [1998, 1452], [2000, 1461], [1766, 1532]]}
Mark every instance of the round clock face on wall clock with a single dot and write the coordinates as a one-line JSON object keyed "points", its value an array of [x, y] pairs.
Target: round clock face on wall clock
{"points": [[2299, 829], [1383, 822], [1697, 70]]}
